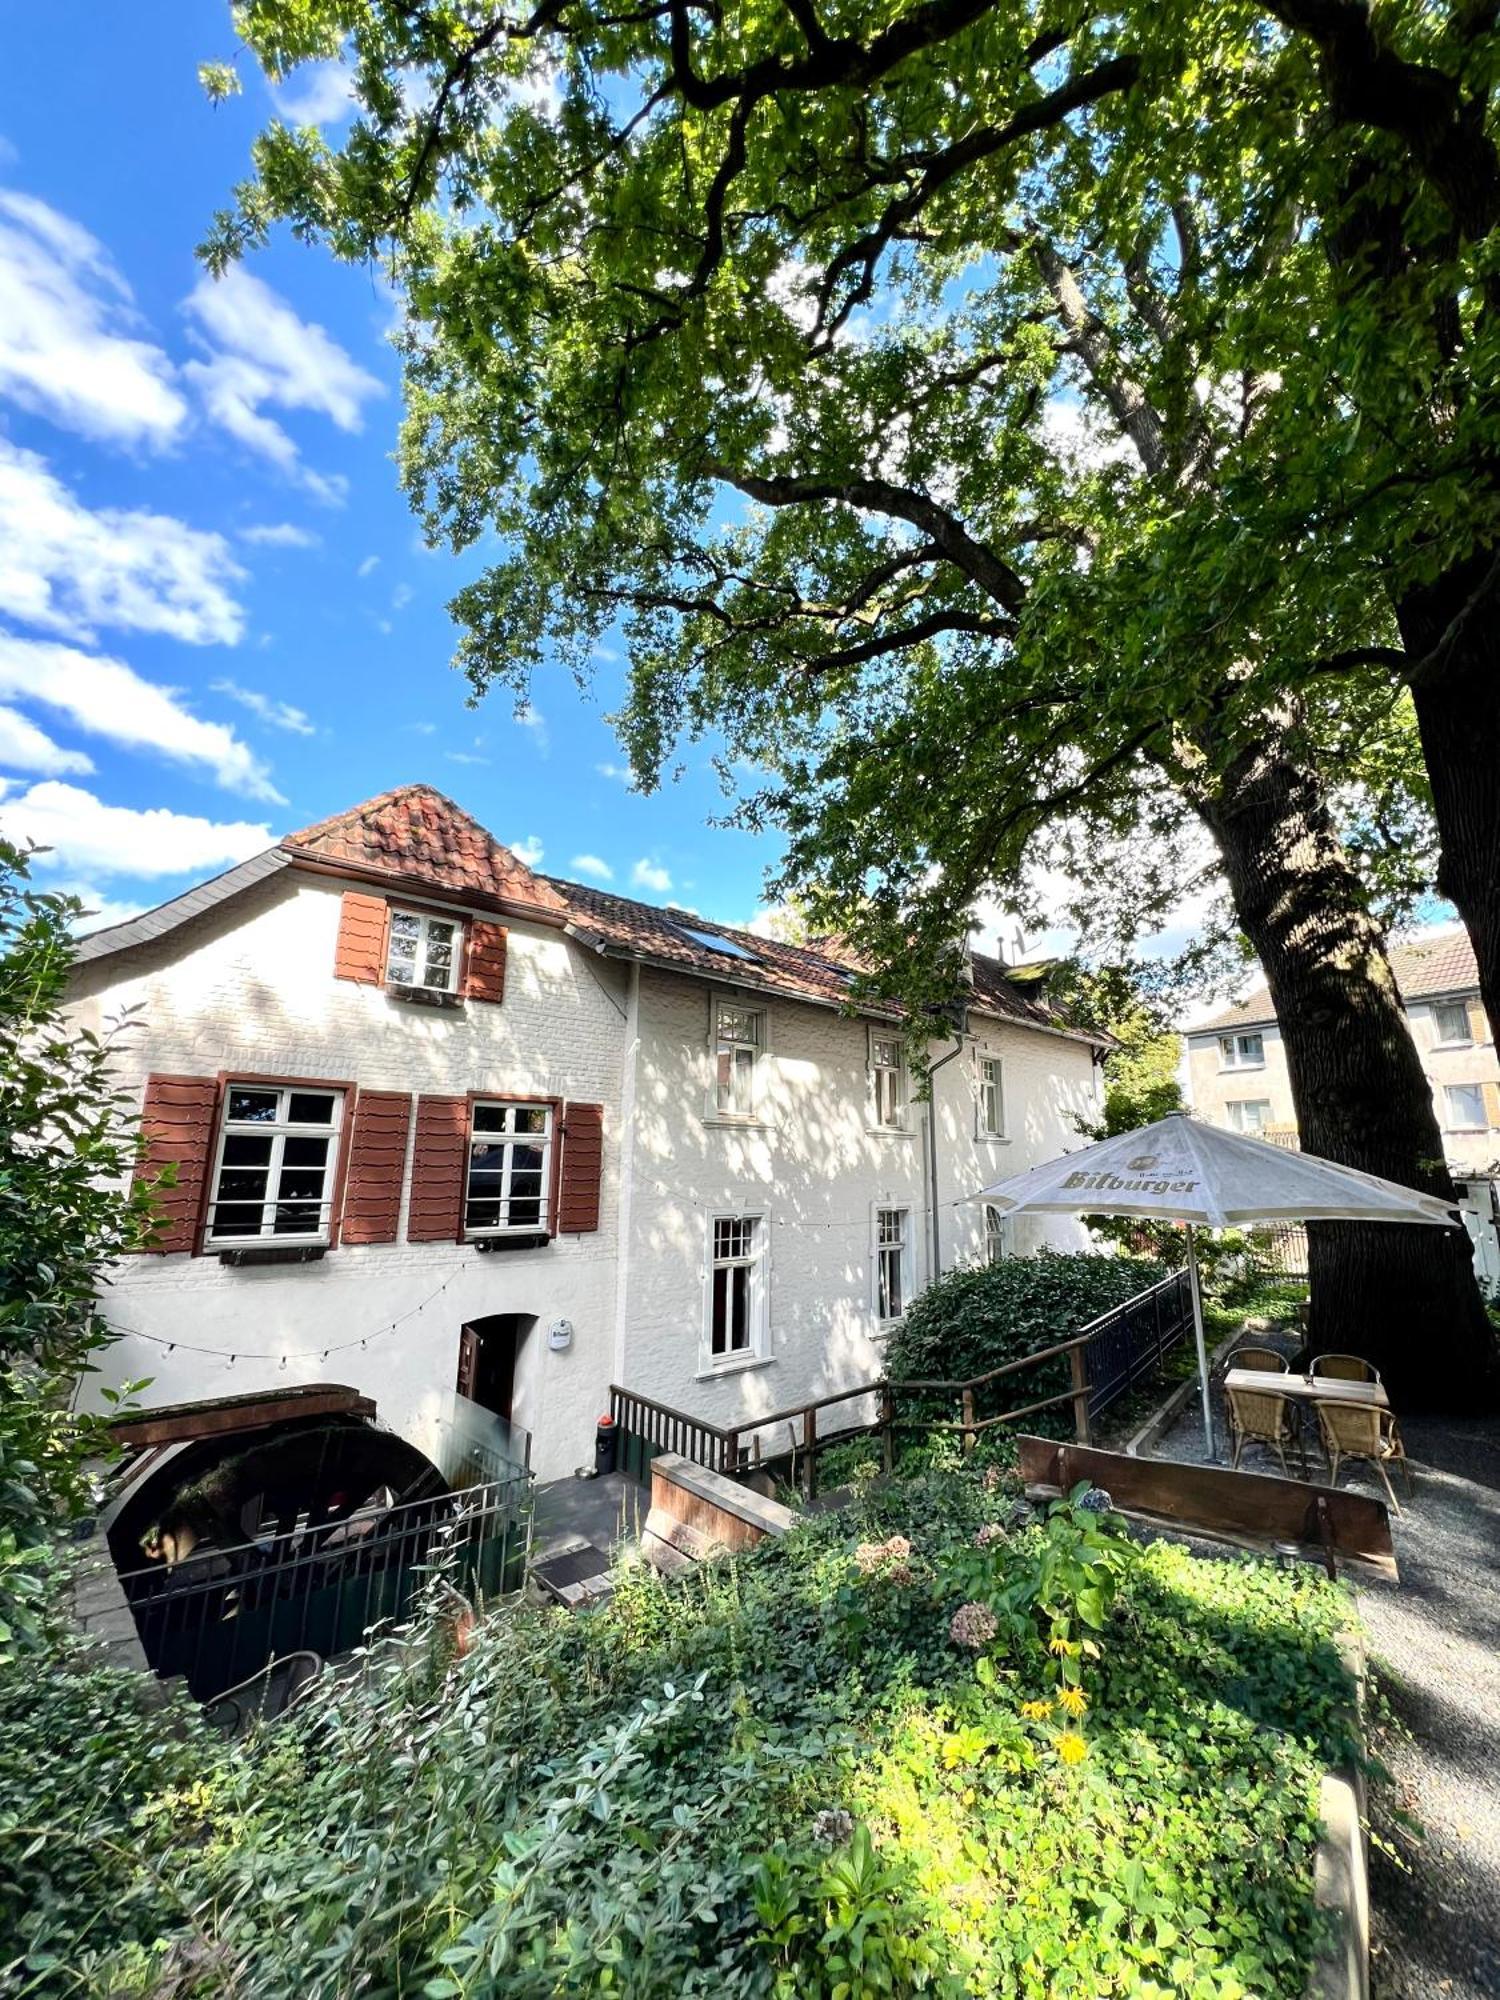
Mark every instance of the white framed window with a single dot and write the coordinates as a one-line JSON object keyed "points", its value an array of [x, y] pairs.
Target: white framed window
{"points": [[274, 1169], [996, 1245], [887, 1081], [739, 1035], [736, 1316], [1242, 1051], [424, 951], [1450, 1024], [509, 1185], [1248, 1114], [1463, 1105], [990, 1093], [893, 1276]]}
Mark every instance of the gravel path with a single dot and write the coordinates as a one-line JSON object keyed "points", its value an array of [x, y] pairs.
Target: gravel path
{"points": [[1435, 1643]]}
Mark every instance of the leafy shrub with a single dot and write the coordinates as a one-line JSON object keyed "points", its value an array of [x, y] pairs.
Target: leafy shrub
{"points": [[971, 1321], [632, 1801]]}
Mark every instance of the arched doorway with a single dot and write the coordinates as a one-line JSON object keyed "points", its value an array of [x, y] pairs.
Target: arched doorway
{"points": [[487, 1352]]}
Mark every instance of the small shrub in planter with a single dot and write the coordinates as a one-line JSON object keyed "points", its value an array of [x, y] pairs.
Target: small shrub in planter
{"points": [[974, 1320]]}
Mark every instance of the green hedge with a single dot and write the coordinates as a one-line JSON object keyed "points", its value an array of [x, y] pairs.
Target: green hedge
{"points": [[972, 1321]]}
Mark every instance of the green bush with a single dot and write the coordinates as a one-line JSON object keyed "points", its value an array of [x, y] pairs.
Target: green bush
{"points": [[784, 1774], [972, 1321]]}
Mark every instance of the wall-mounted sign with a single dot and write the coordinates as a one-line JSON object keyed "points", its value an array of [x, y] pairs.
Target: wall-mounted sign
{"points": [[560, 1335]]}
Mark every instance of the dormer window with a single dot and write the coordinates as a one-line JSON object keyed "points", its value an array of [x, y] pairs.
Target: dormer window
{"points": [[423, 952]]}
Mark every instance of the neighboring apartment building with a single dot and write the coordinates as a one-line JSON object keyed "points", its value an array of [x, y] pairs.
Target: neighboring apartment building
{"points": [[441, 1124], [1237, 1072]]}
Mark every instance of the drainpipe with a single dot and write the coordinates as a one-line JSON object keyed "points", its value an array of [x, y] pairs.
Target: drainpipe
{"points": [[932, 1153]]}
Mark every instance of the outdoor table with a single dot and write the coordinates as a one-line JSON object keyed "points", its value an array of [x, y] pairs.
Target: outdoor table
{"points": [[1307, 1388]]}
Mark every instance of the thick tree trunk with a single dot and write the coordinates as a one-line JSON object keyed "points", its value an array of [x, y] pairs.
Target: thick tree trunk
{"points": [[1458, 714], [1403, 1296]]}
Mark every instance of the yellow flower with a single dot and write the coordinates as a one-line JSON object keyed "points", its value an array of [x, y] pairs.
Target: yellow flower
{"points": [[1073, 1700], [1061, 1647], [1071, 1747], [1036, 1711]]}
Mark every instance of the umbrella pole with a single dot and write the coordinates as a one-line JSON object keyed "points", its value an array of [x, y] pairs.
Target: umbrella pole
{"points": [[1197, 1291]]}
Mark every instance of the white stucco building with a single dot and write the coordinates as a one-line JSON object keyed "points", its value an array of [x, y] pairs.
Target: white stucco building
{"points": [[440, 1124]]}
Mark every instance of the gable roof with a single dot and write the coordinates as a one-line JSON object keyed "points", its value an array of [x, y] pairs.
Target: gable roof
{"points": [[821, 972], [417, 837], [1430, 964], [417, 834]]}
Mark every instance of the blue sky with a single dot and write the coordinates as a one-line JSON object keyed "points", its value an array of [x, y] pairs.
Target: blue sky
{"points": [[217, 618]]}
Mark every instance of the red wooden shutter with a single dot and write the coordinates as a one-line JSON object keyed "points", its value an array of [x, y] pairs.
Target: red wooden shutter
{"points": [[360, 951], [484, 966], [177, 1123], [439, 1158], [582, 1168], [377, 1162]]}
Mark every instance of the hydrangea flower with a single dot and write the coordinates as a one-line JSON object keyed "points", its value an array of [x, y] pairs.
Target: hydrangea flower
{"points": [[988, 1535], [973, 1626], [1095, 1501], [871, 1556], [832, 1827]]}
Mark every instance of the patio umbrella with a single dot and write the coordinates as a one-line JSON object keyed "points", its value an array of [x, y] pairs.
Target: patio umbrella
{"points": [[1180, 1170]]}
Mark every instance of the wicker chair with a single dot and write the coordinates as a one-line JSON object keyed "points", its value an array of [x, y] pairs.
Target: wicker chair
{"points": [[1261, 1417], [1359, 1430], [1264, 1358], [1345, 1368]]}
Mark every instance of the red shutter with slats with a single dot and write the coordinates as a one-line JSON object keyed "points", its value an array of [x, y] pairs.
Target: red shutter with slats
{"points": [[484, 964], [439, 1156], [582, 1169], [177, 1123], [360, 952], [377, 1162]]}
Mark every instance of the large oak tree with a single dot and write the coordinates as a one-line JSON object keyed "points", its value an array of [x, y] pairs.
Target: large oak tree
{"points": [[948, 400]]}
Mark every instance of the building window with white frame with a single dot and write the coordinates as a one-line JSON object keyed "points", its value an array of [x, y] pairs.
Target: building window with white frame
{"points": [[736, 1288], [274, 1173], [1248, 1114], [1450, 1024], [995, 1245], [509, 1179], [423, 951], [1464, 1107], [1242, 1051], [892, 1263], [887, 1082], [991, 1098], [739, 1040]]}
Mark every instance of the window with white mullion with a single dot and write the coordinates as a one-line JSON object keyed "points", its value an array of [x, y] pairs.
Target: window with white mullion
{"points": [[1242, 1051], [736, 1287], [273, 1174], [1450, 1020], [991, 1098], [508, 1186], [892, 1263], [739, 1038], [887, 1082], [423, 951]]}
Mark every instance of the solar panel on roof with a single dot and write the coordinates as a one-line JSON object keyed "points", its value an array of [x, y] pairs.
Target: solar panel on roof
{"points": [[713, 943]]}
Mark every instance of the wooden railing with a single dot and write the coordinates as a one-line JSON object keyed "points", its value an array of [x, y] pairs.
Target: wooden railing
{"points": [[1105, 1359]]}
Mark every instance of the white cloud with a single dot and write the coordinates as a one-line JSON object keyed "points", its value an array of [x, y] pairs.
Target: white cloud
{"points": [[528, 851], [85, 834], [278, 714], [106, 698], [260, 352], [280, 535], [619, 774], [24, 747], [590, 864], [100, 910], [70, 345], [422, 728], [648, 875], [368, 566], [464, 757], [68, 570], [317, 93], [535, 722], [401, 597]]}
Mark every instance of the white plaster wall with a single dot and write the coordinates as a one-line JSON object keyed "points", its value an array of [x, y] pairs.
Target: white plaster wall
{"points": [[815, 1165], [252, 989]]}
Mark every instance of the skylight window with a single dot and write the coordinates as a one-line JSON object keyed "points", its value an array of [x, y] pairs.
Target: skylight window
{"points": [[712, 943]]}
